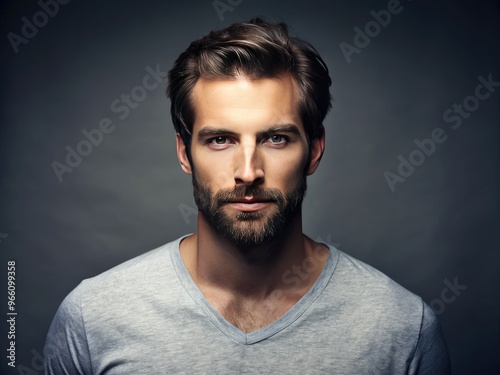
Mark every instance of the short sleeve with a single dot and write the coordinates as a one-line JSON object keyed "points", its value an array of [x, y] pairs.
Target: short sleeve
{"points": [[431, 354], [66, 349]]}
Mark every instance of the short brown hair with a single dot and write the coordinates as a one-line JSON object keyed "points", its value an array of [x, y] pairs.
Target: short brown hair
{"points": [[255, 49]]}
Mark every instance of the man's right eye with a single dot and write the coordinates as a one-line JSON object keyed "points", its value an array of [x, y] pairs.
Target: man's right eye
{"points": [[219, 140]]}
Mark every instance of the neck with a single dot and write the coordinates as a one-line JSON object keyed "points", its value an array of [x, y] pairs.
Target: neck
{"points": [[215, 262]]}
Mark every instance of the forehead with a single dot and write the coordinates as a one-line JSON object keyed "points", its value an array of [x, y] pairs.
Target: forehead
{"points": [[243, 101]]}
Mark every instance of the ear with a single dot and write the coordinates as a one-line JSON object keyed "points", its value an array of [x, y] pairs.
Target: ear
{"points": [[182, 154], [316, 152]]}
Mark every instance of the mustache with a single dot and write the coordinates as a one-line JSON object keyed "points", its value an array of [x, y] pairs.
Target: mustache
{"points": [[240, 192]]}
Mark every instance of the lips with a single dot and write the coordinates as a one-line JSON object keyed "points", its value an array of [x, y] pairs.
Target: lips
{"points": [[250, 200], [249, 204]]}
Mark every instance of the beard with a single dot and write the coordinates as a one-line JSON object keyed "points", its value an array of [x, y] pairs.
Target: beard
{"points": [[253, 229]]}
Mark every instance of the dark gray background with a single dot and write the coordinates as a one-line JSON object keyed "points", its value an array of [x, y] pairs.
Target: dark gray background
{"points": [[442, 223]]}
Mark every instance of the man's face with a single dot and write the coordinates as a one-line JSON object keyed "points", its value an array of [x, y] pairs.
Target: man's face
{"points": [[249, 153]]}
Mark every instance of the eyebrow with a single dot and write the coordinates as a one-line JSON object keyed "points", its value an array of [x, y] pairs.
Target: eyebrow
{"points": [[280, 128]]}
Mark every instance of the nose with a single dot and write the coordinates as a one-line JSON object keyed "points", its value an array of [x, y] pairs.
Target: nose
{"points": [[248, 165]]}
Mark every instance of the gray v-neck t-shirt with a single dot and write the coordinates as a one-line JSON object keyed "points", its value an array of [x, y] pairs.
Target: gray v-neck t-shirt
{"points": [[147, 316]]}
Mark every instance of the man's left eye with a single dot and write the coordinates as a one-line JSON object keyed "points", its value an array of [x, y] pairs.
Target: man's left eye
{"points": [[277, 139]]}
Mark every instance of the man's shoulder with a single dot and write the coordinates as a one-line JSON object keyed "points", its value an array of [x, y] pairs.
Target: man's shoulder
{"points": [[147, 271], [152, 261], [367, 303], [364, 287], [365, 307], [111, 307]]}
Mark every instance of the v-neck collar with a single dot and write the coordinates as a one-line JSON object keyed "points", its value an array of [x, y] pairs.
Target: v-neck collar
{"points": [[265, 332]]}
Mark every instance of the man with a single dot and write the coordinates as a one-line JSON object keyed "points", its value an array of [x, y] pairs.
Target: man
{"points": [[248, 293]]}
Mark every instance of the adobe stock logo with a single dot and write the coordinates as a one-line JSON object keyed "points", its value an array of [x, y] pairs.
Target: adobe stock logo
{"points": [[222, 7], [372, 29], [122, 107], [30, 28], [447, 296], [37, 364], [426, 147]]}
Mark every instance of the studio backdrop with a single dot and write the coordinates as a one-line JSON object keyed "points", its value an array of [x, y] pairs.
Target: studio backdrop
{"points": [[409, 181]]}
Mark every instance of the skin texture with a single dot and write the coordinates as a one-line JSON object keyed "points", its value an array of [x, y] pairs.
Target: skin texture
{"points": [[248, 138]]}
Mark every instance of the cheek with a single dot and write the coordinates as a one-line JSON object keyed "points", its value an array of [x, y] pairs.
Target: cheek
{"points": [[213, 174], [285, 173]]}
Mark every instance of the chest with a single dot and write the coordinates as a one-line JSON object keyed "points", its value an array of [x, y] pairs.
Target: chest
{"points": [[250, 315]]}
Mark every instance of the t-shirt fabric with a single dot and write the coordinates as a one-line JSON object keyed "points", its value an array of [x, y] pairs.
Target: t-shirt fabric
{"points": [[147, 316]]}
